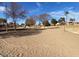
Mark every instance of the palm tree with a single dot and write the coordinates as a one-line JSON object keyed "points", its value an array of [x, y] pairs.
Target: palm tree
{"points": [[66, 14]]}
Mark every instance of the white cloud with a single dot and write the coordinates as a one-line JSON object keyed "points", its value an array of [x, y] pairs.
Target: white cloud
{"points": [[2, 9], [34, 10], [58, 2], [38, 4], [71, 8], [68, 8], [58, 14], [75, 15], [37, 9]]}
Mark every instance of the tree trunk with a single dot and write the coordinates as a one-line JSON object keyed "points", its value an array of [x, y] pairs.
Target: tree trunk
{"points": [[6, 18], [65, 23], [14, 24], [6, 27], [54, 24], [25, 25]]}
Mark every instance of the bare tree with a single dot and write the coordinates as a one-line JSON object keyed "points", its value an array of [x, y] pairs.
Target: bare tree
{"points": [[4, 12], [6, 8], [30, 21], [15, 11], [43, 17], [46, 23], [3, 22]]}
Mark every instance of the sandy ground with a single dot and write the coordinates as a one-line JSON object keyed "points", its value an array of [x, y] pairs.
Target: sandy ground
{"points": [[50, 42]]}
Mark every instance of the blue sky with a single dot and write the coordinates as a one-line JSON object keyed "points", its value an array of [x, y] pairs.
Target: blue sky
{"points": [[54, 9]]}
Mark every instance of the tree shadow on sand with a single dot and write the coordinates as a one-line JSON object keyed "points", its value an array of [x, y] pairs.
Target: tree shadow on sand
{"points": [[20, 33]]}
